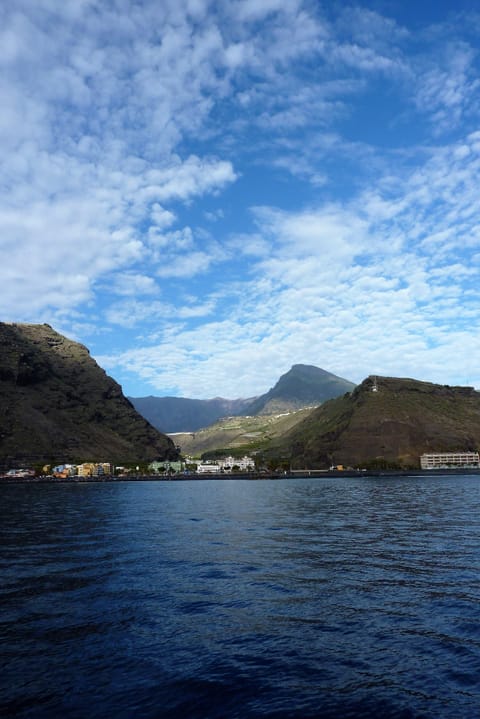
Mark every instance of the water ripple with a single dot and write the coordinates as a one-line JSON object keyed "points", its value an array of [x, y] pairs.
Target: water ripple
{"points": [[294, 598]]}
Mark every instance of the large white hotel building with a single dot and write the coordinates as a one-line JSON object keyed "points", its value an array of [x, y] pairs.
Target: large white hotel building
{"points": [[444, 460]]}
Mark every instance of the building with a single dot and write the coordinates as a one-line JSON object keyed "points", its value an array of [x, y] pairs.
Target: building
{"points": [[101, 469], [447, 460], [63, 471], [227, 465], [244, 464], [19, 473], [208, 468], [166, 467], [86, 469]]}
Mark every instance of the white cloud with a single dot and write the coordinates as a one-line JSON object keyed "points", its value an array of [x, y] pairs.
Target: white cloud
{"points": [[447, 88], [161, 217], [129, 313], [185, 179], [75, 110], [134, 124], [186, 266], [321, 239], [255, 10], [362, 58], [132, 284], [334, 293]]}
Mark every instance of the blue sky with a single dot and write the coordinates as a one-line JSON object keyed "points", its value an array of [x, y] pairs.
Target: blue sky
{"points": [[205, 193]]}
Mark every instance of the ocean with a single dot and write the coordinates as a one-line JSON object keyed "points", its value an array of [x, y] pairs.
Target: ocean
{"points": [[328, 597]]}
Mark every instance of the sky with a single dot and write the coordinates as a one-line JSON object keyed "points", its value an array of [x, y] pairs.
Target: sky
{"points": [[206, 193]]}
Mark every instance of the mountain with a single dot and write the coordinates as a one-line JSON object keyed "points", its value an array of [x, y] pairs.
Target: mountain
{"points": [[385, 421], [301, 386], [58, 404], [180, 414]]}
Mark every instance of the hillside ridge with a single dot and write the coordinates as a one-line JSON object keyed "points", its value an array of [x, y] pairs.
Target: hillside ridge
{"points": [[385, 421], [58, 404], [302, 386]]}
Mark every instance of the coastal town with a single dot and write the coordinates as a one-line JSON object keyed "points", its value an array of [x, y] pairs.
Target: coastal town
{"points": [[165, 468], [226, 466]]}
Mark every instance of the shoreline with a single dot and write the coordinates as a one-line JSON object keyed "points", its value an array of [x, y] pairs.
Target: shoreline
{"points": [[252, 476]]}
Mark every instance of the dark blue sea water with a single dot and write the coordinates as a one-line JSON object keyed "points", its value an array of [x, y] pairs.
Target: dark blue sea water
{"points": [[289, 598]]}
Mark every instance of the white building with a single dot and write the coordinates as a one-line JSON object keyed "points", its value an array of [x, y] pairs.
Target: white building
{"points": [[226, 465], [445, 460], [208, 468], [245, 464]]}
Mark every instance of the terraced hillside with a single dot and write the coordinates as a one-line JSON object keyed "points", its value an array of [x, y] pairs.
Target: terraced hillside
{"points": [[238, 434]]}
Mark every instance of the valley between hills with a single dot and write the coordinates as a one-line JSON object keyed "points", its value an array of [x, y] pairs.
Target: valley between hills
{"points": [[238, 435], [59, 405]]}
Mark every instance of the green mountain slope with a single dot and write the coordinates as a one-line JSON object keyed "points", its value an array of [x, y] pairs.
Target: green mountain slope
{"points": [[393, 425], [57, 403], [244, 435]]}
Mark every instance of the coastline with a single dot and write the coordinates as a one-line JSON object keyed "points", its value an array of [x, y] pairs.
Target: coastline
{"points": [[252, 476]]}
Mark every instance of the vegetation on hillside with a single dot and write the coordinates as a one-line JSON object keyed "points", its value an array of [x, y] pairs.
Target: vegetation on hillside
{"points": [[237, 435], [390, 427]]}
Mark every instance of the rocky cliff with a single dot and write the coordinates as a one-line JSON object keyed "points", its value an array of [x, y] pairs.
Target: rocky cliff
{"points": [[58, 404]]}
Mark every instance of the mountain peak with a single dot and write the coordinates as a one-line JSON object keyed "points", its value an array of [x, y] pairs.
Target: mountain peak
{"points": [[303, 385]]}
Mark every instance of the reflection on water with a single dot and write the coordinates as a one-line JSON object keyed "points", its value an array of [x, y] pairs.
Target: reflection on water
{"points": [[287, 598]]}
